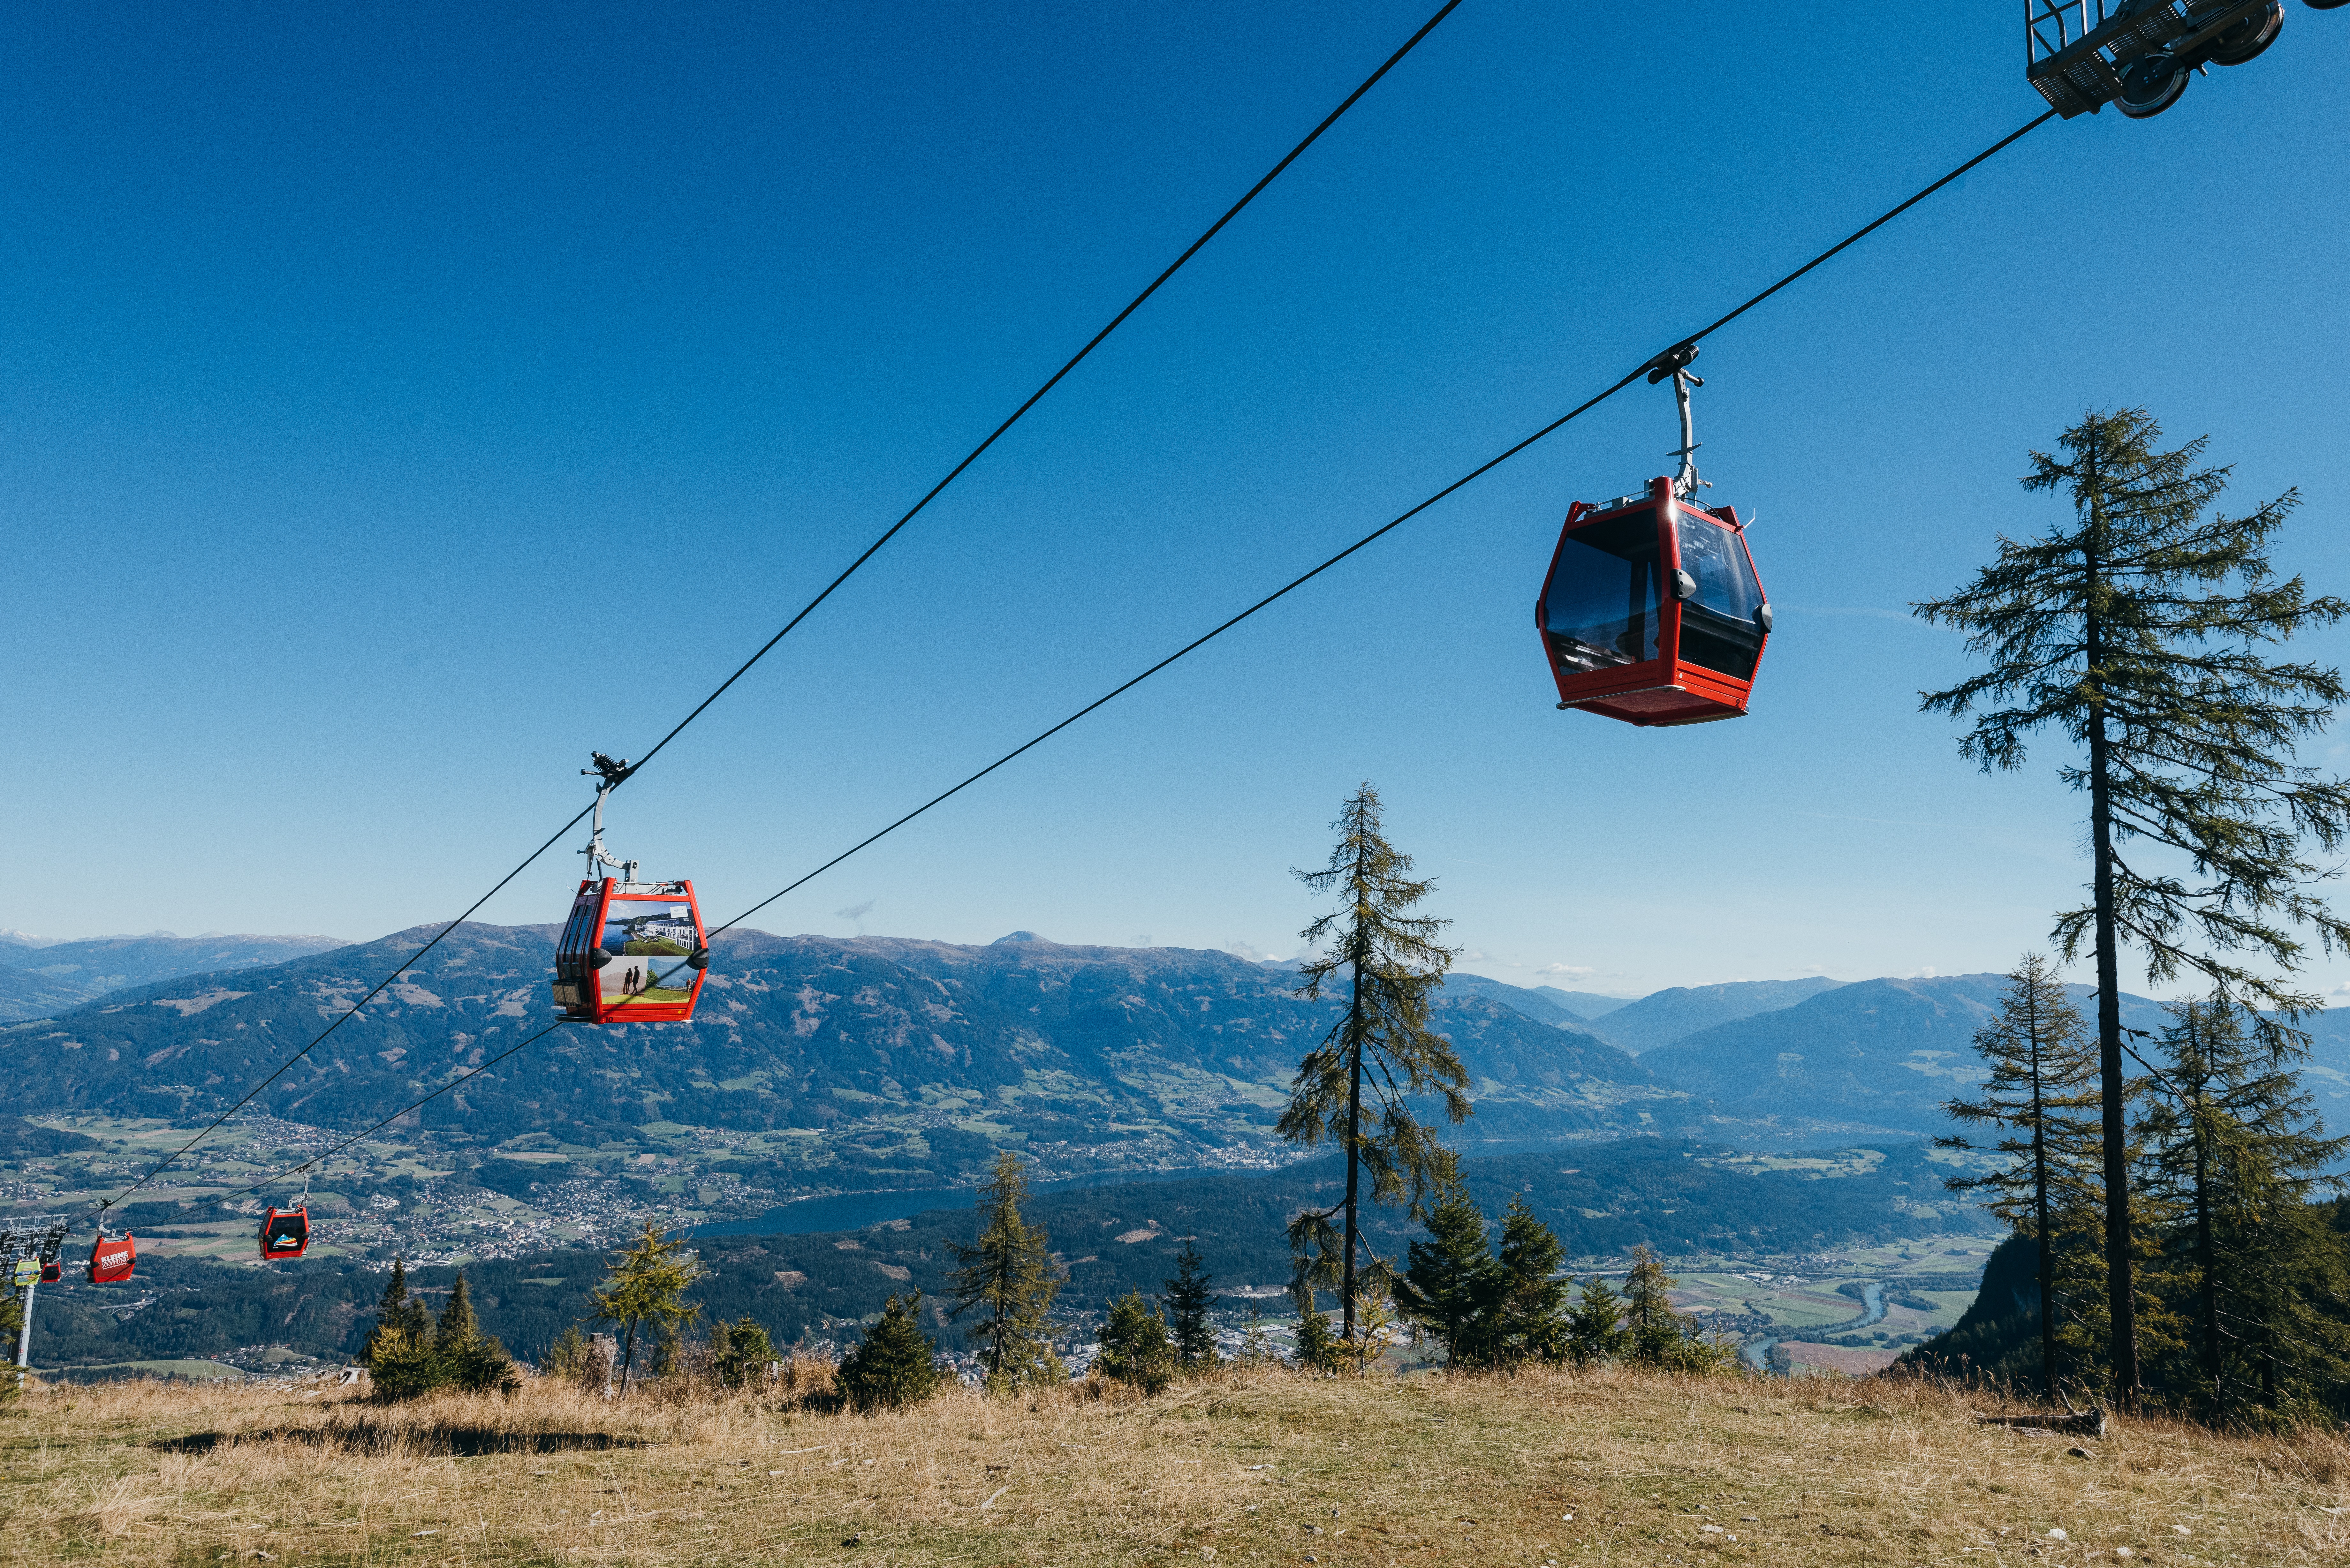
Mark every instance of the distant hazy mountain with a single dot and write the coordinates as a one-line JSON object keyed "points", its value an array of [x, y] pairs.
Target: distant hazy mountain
{"points": [[912, 1062], [1532, 1003], [1884, 1052], [2327, 1071], [27, 995], [1664, 1016], [1585, 1003], [108, 964]]}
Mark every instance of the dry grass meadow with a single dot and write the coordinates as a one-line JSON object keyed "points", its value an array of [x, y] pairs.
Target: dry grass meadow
{"points": [[1241, 1467]]}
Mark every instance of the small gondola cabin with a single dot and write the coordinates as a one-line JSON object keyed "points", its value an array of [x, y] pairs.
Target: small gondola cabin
{"points": [[285, 1232], [1652, 613], [113, 1262], [632, 952]]}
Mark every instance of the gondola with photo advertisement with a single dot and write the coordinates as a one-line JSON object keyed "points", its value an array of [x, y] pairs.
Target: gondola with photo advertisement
{"points": [[631, 952]]}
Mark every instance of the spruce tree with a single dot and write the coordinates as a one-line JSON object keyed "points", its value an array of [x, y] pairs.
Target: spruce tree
{"points": [[468, 1359], [390, 1311], [1452, 1284], [893, 1365], [2136, 630], [457, 1322], [1190, 1299], [1354, 1088], [1134, 1345], [1008, 1277], [2041, 1095], [1529, 1318], [1596, 1331], [2240, 1153]]}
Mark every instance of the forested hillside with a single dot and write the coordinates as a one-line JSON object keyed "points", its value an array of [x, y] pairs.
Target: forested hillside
{"points": [[1675, 1196]]}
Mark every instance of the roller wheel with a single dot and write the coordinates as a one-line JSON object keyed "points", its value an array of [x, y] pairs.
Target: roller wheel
{"points": [[2151, 84], [2248, 38], [2324, 4]]}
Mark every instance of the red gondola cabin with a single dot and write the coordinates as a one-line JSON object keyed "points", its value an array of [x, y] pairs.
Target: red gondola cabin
{"points": [[1651, 612], [632, 952], [286, 1234], [111, 1263]]}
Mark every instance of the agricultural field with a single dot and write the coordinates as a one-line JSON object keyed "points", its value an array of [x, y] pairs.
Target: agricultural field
{"points": [[1239, 1467]]}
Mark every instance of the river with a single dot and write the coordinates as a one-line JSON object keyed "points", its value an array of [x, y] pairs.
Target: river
{"points": [[1872, 1301]]}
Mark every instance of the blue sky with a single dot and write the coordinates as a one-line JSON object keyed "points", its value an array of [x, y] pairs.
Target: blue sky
{"points": [[373, 373]]}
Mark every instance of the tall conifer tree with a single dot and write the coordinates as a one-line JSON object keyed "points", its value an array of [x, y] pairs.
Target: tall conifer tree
{"points": [[1531, 1316], [1652, 1328], [2041, 1095], [1353, 1089], [1190, 1298], [2240, 1153], [2136, 630], [1008, 1277], [1452, 1282]]}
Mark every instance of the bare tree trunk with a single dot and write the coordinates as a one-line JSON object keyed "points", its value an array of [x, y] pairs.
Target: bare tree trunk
{"points": [[1354, 1133], [2121, 1296], [2206, 1253], [2039, 1209], [628, 1359]]}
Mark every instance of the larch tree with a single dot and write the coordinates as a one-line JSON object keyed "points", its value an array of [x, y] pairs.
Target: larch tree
{"points": [[2240, 1153], [2137, 630], [646, 1288], [2041, 1095], [1354, 1088], [1008, 1277], [1652, 1329]]}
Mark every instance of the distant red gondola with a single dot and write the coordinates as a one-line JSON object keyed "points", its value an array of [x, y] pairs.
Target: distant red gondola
{"points": [[1651, 612], [631, 952], [113, 1261], [286, 1234]]}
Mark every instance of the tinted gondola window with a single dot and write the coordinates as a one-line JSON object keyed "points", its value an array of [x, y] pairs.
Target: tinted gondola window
{"points": [[1719, 630], [1601, 609], [649, 941]]}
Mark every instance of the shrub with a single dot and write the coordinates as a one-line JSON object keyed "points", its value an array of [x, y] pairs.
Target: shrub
{"points": [[1135, 1348], [740, 1352], [1318, 1350], [892, 1367]]}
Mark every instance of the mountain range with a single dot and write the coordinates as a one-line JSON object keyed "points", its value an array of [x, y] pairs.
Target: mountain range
{"points": [[902, 1062], [40, 980], [905, 1062]]}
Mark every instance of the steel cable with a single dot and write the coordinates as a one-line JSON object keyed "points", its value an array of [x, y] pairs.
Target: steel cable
{"points": [[870, 550]]}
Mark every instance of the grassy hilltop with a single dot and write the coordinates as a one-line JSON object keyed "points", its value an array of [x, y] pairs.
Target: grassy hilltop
{"points": [[1237, 1468]]}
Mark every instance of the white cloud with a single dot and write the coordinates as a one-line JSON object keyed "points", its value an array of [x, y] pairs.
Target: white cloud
{"points": [[1573, 971]]}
